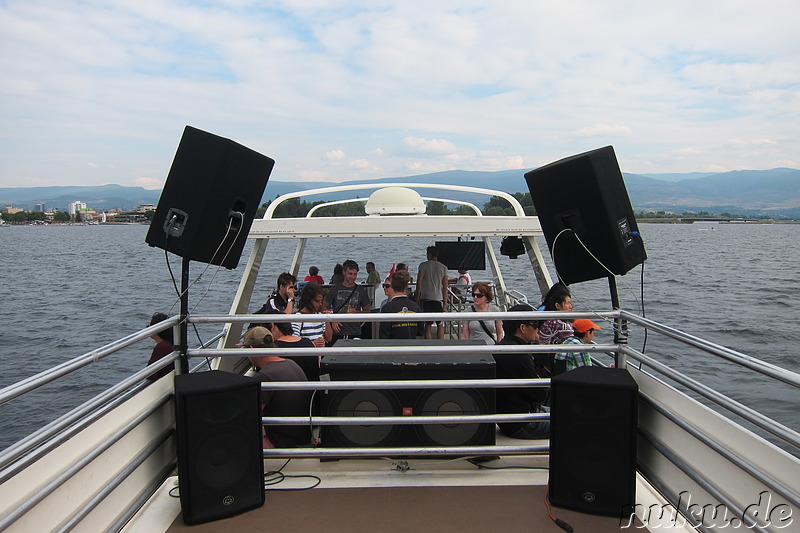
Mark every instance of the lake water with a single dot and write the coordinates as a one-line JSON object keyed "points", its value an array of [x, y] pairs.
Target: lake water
{"points": [[67, 290]]}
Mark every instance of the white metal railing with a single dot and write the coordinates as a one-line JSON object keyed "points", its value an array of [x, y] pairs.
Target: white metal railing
{"points": [[24, 453]]}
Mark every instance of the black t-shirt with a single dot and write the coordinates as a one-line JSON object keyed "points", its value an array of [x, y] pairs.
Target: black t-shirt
{"points": [[410, 329]]}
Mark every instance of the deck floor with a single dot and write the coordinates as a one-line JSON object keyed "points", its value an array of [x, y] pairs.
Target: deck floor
{"points": [[460, 509]]}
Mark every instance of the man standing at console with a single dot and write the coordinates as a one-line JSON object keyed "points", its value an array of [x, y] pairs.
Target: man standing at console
{"points": [[347, 297], [432, 289]]}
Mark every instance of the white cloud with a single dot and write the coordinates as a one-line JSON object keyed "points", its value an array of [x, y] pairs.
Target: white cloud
{"points": [[604, 130], [335, 155], [434, 85], [149, 183], [437, 146]]}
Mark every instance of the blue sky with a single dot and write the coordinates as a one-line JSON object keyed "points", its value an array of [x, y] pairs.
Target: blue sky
{"points": [[95, 92]]}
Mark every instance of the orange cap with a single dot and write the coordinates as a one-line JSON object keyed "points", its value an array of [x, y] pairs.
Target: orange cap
{"points": [[582, 325]]}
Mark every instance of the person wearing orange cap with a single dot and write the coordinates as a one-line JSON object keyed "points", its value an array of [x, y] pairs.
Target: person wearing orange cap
{"points": [[583, 334]]}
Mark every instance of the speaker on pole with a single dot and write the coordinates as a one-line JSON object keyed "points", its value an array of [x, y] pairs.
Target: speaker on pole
{"points": [[593, 424], [210, 198], [586, 216], [220, 460], [407, 402]]}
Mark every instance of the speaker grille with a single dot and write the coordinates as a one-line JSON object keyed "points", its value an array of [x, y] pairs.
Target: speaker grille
{"points": [[218, 426], [593, 440]]}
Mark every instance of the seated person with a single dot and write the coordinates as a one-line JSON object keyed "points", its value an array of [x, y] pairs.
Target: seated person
{"points": [[399, 302], [520, 366], [313, 275], [311, 302], [279, 402], [164, 346], [284, 336], [556, 331], [584, 334]]}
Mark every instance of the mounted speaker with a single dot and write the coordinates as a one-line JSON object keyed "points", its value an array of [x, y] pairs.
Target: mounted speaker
{"points": [[220, 463], [411, 402], [586, 216], [210, 199], [593, 423]]}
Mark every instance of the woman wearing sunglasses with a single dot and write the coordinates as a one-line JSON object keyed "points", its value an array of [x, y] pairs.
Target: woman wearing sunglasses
{"points": [[488, 331]]}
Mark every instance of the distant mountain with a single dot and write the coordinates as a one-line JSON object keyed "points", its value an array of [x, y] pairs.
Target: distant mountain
{"points": [[100, 198], [750, 192], [773, 192]]}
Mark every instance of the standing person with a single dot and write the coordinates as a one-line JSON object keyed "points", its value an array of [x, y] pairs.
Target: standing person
{"points": [[556, 331], [338, 274], [490, 332], [282, 300], [399, 302], [432, 289], [387, 291], [403, 266], [347, 297], [285, 402], [312, 302], [584, 334], [164, 346], [520, 366], [373, 276], [313, 276]]}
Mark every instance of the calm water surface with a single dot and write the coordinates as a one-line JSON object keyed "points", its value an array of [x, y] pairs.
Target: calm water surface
{"points": [[67, 290]]}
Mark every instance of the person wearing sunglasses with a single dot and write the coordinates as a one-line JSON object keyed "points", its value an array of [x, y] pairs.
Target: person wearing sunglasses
{"points": [[486, 331], [399, 302], [520, 366]]}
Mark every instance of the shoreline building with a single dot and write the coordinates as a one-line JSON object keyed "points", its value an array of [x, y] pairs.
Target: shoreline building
{"points": [[74, 207]]}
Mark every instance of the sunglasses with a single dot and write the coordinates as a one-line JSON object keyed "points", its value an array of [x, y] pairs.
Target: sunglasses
{"points": [[387, 285], [478, 295]]}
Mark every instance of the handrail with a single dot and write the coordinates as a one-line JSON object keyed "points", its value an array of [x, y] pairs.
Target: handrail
{"points": [[787, 492], [765, 423], [37, 380], [450, 349], [403, 420], [518, 210], [399, 317], [763, 367], [36, 438], [394, 452]]}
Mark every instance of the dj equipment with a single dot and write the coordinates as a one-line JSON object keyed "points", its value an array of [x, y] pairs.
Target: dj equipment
{"points": [[220, 463], [593, 423], [210, 199], [411, 402], [586, 216]]}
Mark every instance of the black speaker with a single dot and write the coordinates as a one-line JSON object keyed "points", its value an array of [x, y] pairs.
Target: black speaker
{"points": [[220, 460], [586, 216], [407, 402], [593, 421], [210, 199]]}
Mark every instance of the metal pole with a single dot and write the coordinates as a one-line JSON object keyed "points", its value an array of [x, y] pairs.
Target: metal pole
{"points": [[184, 344], [620, 335]]}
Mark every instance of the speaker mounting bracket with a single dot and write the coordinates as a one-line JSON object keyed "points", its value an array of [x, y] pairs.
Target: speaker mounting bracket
{"points": [[175, 222]]}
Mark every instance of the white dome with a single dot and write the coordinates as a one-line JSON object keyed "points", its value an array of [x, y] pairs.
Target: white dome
{"points": [[395, 201]]}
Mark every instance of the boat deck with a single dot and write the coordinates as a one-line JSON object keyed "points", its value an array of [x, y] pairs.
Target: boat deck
{"points": [[395, 495]]}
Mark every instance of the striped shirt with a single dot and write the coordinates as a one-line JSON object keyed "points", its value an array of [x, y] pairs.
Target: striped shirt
{"points": [[309, 330]]}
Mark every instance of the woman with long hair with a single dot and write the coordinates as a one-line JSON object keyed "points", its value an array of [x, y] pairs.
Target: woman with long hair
{"points": [[311, 302], [556, 331]]}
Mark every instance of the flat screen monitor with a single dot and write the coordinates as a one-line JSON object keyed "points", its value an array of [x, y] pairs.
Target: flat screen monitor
{"points": [[469, 255]]}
